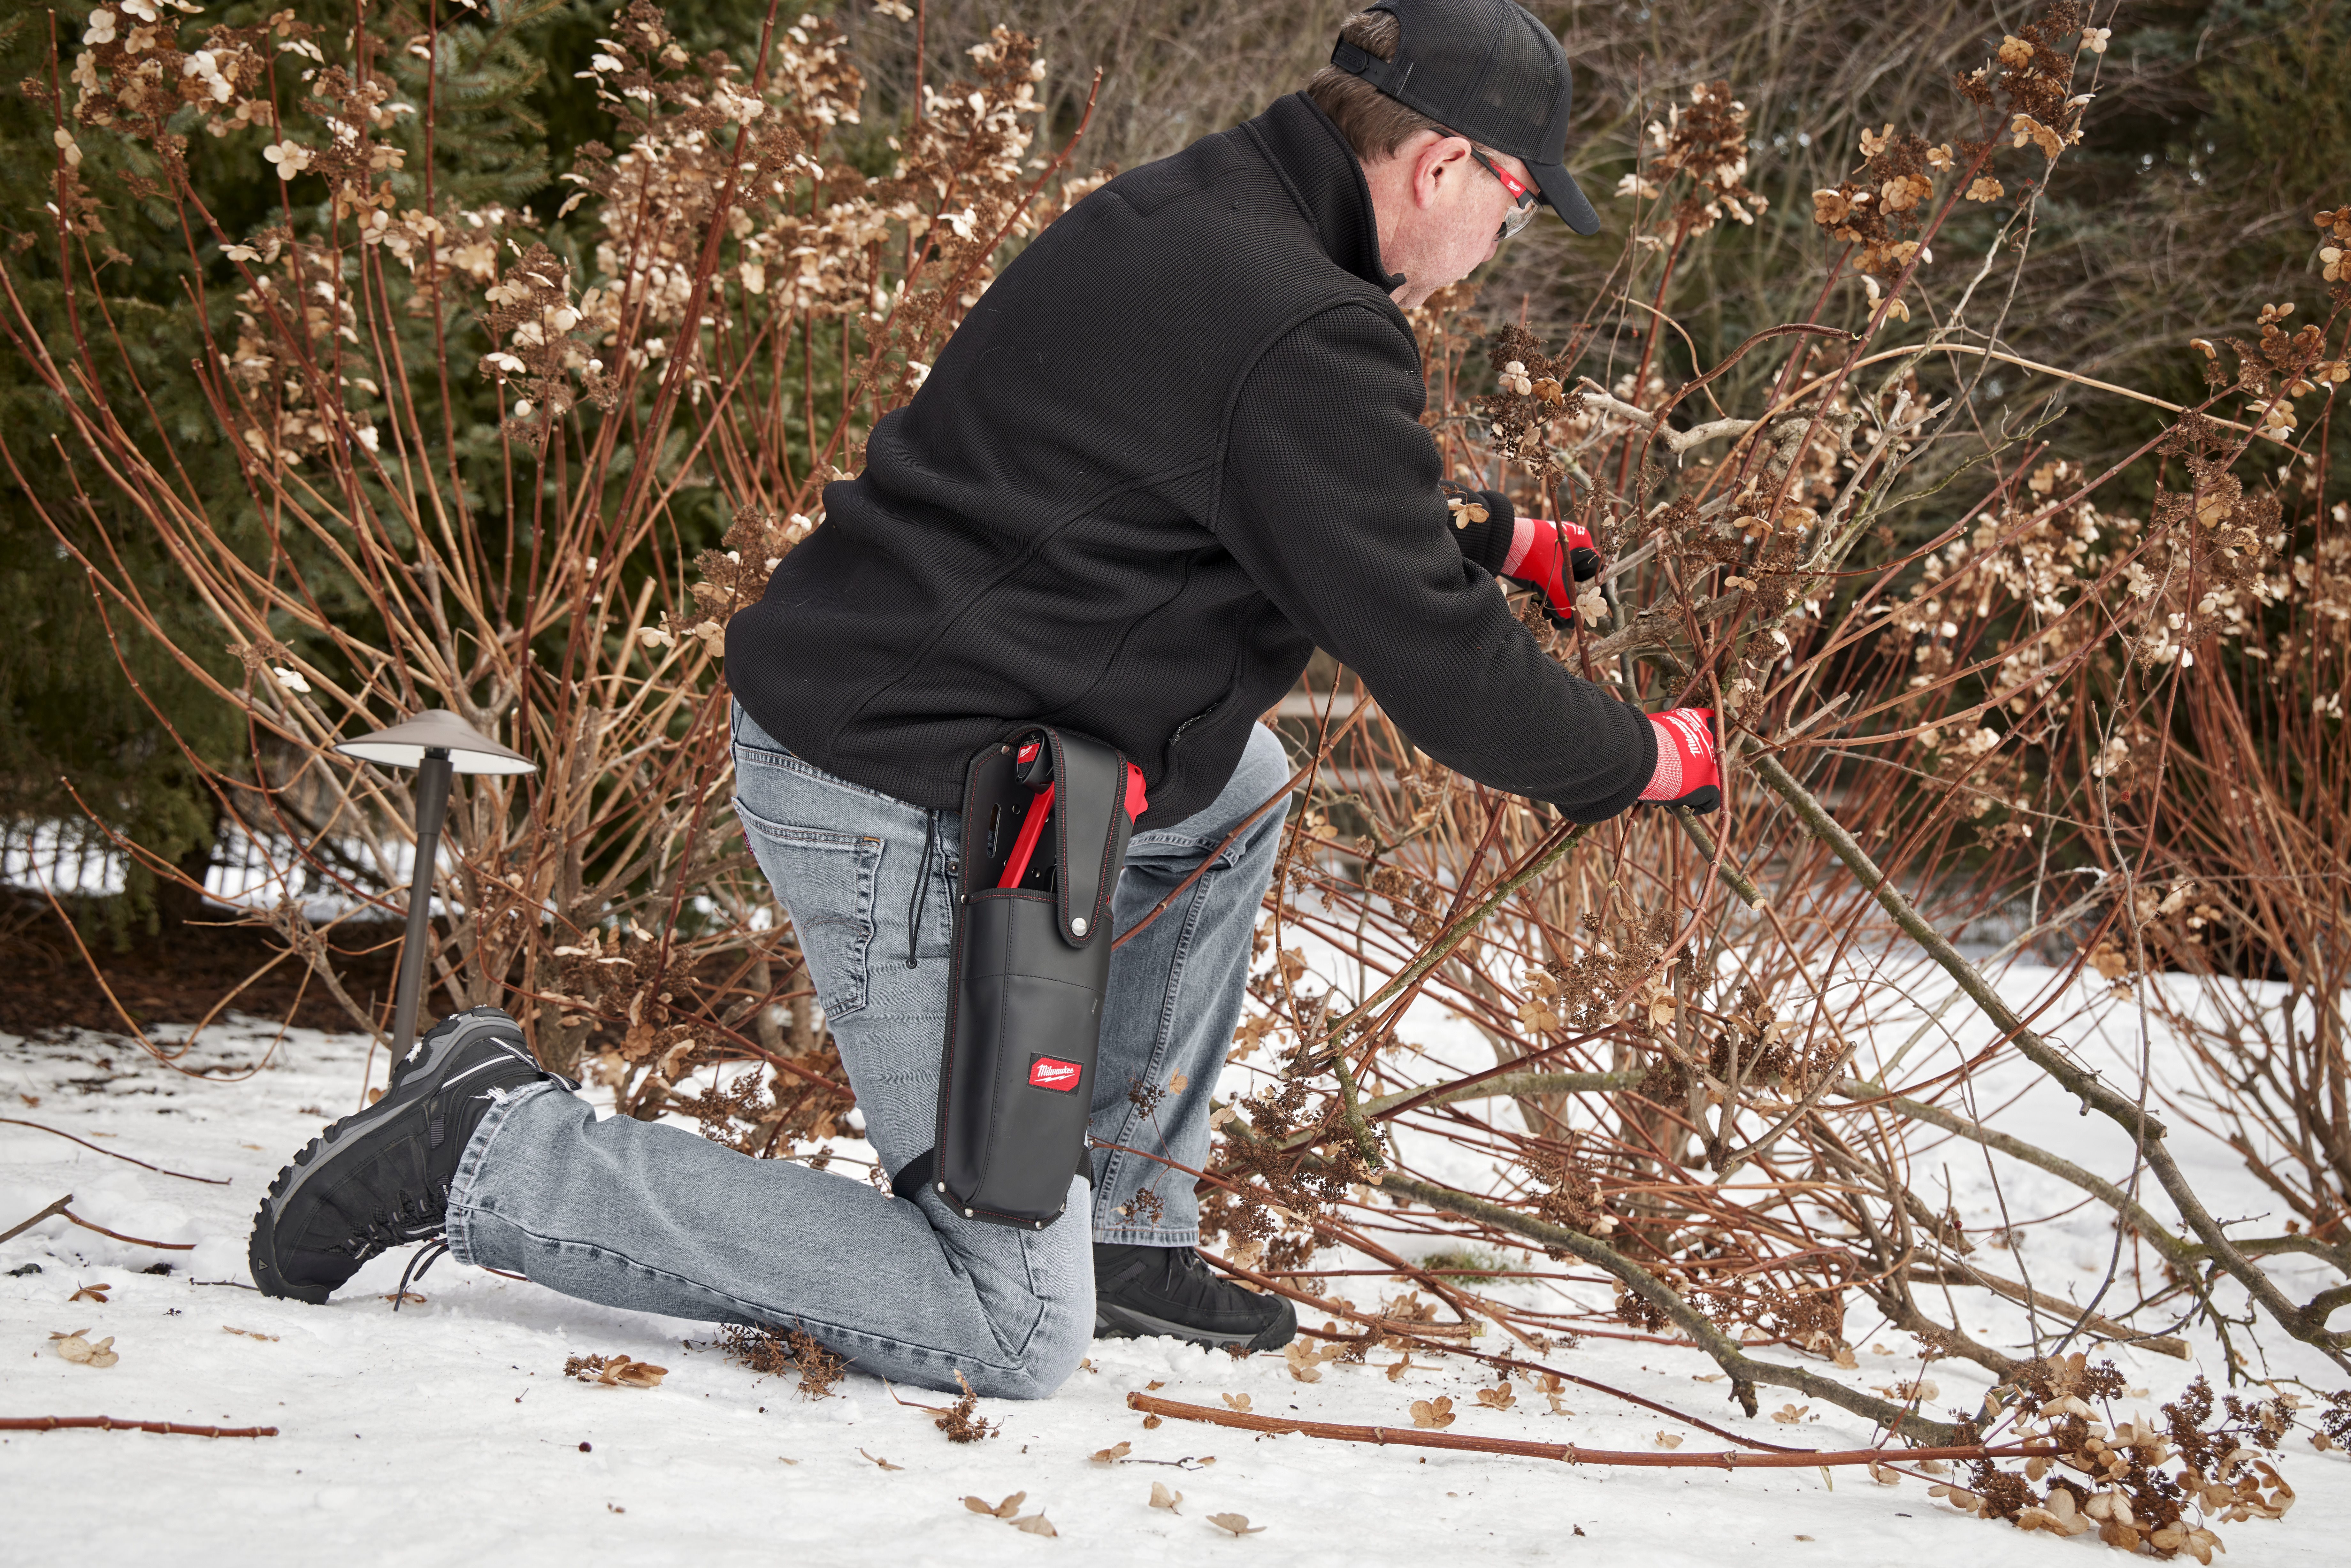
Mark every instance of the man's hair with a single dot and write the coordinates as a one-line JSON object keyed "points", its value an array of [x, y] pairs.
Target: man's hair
{"points": [[1375, 124]]}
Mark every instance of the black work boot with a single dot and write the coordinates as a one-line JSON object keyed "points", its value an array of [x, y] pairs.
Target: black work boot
{"points": [[1170, 1291], [380, 1177]]}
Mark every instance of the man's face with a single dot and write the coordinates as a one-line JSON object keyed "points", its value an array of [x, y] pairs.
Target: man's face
{"points": [[1441, 214]]}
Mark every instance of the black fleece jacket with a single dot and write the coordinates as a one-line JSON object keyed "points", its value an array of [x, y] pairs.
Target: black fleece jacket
{"points": [[1175, 448]]}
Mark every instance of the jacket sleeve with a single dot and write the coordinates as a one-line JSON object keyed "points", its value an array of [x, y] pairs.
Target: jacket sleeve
{"points": [[1329, 499], [1485, 542]]}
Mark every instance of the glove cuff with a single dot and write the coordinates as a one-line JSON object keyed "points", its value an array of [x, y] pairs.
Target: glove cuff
{"points": [[1687, 757], [1484, 544]]}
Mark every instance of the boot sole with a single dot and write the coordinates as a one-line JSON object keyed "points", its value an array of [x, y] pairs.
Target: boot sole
{"points": [[1113, 1321], [416, 1077]]}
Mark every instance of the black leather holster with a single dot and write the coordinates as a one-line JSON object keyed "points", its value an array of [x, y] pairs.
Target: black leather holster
{"points": [[1046, 817]]}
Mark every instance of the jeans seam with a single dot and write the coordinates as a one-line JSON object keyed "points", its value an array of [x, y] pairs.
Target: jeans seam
{"points": [[763, 1314], [455, 1228], [1163, 1027], [785, 762], [868, 849]]}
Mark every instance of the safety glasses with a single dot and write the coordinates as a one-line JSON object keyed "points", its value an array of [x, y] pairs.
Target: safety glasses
{"points": [[1523, 212]]}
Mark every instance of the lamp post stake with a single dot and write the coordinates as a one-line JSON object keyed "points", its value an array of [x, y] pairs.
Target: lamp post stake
{"points": [[437, 744], [431, 809]]}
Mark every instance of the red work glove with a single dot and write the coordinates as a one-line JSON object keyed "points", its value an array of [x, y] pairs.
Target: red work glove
{"points": [[1552, 557], [1689, 767]]}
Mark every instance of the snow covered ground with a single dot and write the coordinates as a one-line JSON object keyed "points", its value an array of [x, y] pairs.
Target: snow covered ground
{"points": [[449, 1433]]}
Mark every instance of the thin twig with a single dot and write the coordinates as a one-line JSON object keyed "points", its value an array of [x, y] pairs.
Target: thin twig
{"points": [[85, 1143], [134, 1240]]}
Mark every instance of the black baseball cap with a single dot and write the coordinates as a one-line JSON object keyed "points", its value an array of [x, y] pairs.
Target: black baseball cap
{"points": [[1488, 70]]}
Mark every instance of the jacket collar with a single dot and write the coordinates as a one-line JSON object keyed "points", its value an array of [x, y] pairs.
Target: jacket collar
{"points": [[1326, 181]]}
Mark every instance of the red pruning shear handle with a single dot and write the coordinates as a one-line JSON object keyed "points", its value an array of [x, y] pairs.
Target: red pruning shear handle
{"points": [[1035, 765]]}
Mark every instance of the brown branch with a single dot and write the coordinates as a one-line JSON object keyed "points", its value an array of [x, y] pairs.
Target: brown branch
{"points": [[109, 1424], [1745, 1372], [1419, 1333], [85, 1143], [2105, 1327], [2079, 1082], [22, 1226], [102, 1230], [1569, 1453]]}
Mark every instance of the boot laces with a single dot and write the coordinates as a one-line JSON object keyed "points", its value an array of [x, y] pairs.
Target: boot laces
{"points": [[418, 1267], [409, 1218]]}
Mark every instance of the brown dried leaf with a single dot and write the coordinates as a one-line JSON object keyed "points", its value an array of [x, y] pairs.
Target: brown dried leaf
{"points": [[1669, 1440], [1005, 1510], [1499, 1397], [1111, 1455], [1396, 1372], [1436, 1412], [883, 1463], [91, 1294], [250, 1334], [1036, 1524], [1239, 1401], [620, 1372], [73, 1347], [1235, 1523], [1301, 1360], [1150, 1422], [1790, 1414], [1162, 1497], [1178, 1084]]}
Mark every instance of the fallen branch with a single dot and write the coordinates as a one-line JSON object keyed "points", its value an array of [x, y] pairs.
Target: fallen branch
{"points": [[23, 1225], [85, 1143], [109, 1424], [1569, 1453], [134, 1240]]}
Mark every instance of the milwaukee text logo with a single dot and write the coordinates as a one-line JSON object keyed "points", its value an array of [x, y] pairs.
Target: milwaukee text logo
{"points": [[1051, 1073]]}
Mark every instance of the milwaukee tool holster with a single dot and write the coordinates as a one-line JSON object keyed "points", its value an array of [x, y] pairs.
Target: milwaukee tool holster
{"points": [[1046, 817]]}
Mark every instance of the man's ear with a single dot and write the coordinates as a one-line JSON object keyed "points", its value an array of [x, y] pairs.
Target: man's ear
{"points": [[1447, 155]]}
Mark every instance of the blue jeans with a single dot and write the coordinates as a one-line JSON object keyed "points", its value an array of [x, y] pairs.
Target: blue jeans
{"points": [[637, 1215]]}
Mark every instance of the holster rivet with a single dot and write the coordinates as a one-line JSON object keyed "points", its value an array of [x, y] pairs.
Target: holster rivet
{"points": [[1077, 924]]}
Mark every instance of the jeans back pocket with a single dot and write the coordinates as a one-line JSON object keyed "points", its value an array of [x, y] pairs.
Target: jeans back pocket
{"points": [[826, 882]]}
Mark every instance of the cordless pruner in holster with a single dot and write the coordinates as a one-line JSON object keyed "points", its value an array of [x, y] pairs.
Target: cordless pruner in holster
{"points": [[1046, 817]]}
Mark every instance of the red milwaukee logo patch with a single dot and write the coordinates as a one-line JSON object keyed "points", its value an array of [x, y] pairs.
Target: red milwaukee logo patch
{"points": [[1050, 1072]]}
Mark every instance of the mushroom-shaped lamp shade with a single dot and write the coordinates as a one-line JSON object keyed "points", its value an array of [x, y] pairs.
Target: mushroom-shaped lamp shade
{"points": [[437, 729]]}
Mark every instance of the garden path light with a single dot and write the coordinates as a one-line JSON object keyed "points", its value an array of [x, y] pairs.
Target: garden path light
{"points": [[437, 744]]}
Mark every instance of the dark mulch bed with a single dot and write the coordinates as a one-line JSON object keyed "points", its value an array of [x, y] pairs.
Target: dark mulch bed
{"points": [[174, 973]]}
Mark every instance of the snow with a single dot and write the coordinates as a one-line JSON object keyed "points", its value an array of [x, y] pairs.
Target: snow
{"points": [[449, 1431]]}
